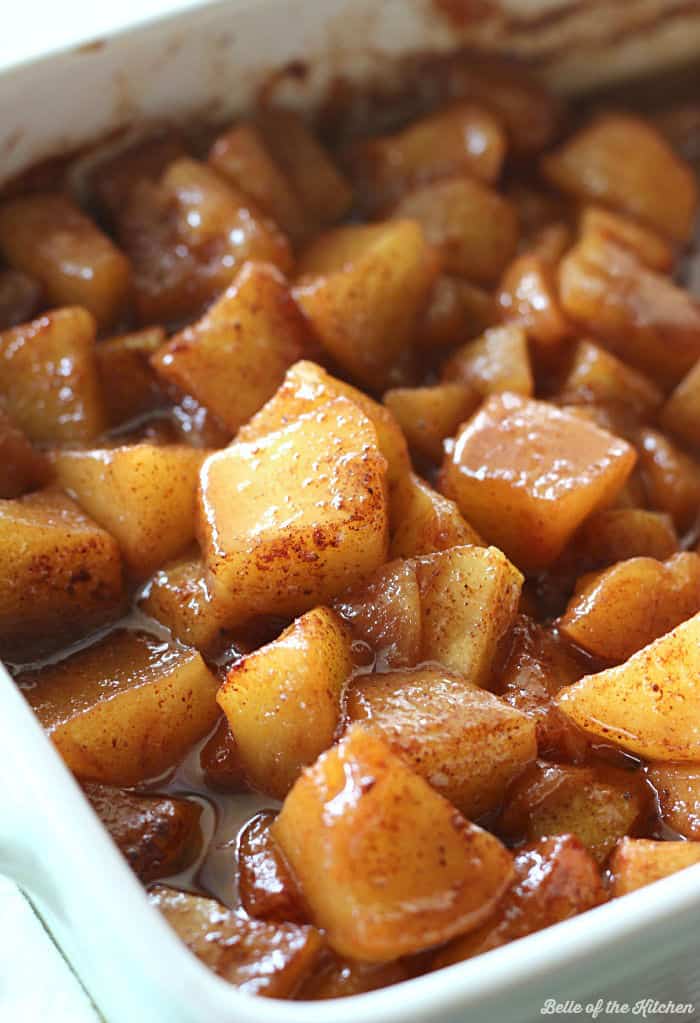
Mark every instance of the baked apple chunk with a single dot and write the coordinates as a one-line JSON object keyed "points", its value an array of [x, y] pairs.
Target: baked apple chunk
{"points": [[124, 709], [526, 475], [383, 882], [61, 575], [289, 520]]}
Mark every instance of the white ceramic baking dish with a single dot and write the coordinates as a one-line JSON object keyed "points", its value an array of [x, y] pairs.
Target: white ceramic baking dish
{"points": [[213, 57]]}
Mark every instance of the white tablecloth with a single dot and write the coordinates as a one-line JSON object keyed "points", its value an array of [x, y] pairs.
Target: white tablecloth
{"points": [[36, 984]]}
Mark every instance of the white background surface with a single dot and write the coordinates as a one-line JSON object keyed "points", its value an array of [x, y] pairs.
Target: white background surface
{"points": [[36, 985]]}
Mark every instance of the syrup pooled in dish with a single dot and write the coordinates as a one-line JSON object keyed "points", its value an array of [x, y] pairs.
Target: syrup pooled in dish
{"points": [[349, 520]]}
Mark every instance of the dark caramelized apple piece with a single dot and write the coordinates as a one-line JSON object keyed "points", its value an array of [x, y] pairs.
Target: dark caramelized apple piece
{"points": [[538, 665], [260, 958], [556, 878], [20, 298], [265, 884], [129, 385], [339, 977], [158, 835], [220, 760]]}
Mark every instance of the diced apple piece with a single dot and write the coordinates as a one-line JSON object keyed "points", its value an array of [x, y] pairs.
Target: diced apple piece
{"points": [[129, 385], [234, 358], [623, 609], [537, 666], [495, 362], [124, 709], [22, 467], [469, 599], [597, 377], [555, 879], [671, 478], [646, 319], [428, 415], [143, 494], [50, 238], [649, 247], [363, 289], [529, 297], [265, 884], [597, 804], [657, 186], [221, 762], [49, 379], [282, 701], [424, 521], [62, 574], [650, 704], [385, 613], [473, 228], [618, 534], [325, 194], [305, 384], [188, 236], [457, 309], [526, 475], [309, 519], [259, 958], [381, 882], [178, 596], [637, 862], [241, 156], [459, 139], [157, 835], [678, 791], [680, 415], [466, 742], [20, 298]]}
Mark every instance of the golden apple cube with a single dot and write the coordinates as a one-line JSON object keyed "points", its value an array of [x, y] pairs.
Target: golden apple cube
{"points": [[497, 361], [466, 742], [678, 790], [124, 709], [291, 519], [363, 289], [50, 238], [49, 377], [469, 599], [621, 610], [306, 383], [143, 494], [637, 862], [429, 415], [380, 881], [423, 521], [650, 704], [177, 595], [235, 357], [62, 575], [624, 162], [282, 701], [526, 475]]}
